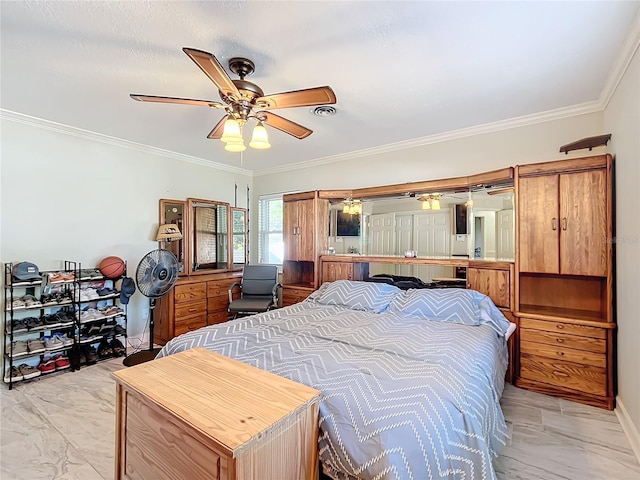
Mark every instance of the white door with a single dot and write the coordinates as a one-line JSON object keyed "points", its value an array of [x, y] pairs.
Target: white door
{"points": [[432, 232], [381, 241], [504, 235], [404, 242]]}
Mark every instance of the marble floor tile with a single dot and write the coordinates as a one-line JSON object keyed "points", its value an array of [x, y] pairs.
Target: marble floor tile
{"points": [[63, 428]]}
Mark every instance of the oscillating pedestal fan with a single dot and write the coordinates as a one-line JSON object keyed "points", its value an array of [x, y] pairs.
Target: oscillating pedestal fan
{"points": [[156, 274]]}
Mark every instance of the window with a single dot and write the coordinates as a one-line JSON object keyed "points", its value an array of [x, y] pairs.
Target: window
{"points": [[270, 242]]}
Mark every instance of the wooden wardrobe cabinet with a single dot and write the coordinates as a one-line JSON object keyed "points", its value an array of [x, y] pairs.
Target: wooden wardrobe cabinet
{"points": [[563, 221], [299, 230], [305, 236], [564, 286]]}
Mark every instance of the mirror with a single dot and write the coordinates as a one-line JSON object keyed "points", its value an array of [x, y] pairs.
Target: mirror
{"points": [[208, 242], [477, 224], [239, 237], [173, 211]]}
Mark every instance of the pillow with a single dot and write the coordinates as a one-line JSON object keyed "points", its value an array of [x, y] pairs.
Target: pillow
{"points": [[371, 297], [455, 305]]}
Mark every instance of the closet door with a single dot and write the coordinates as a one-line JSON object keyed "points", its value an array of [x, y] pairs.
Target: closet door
{"points": [[583, 223], [539, 224]]}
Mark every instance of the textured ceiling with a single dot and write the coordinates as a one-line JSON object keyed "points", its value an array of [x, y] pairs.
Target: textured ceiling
{"points": [[400, 70]]}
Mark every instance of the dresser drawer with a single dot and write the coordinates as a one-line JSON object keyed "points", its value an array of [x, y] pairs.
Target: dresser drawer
{"points": [[292, 295], [190, 309], [219, 287], [567, 354], [217, 317], [575, 376], [219, 302], [189, 324], [560, 327], [588, 344], [189, 292]]}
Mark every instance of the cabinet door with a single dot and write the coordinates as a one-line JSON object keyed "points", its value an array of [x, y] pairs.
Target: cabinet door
{"points": [[289, 230], [493, 283], [583, 223], [332, 271], [306, 230], [539, 224]]}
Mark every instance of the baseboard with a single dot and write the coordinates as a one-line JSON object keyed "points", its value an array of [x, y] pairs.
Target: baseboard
{"points": [[628, 427]]}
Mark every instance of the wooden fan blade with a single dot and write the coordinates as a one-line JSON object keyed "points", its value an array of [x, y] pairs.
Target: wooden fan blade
{"points": [[286, 126], [299, 98], [183, 101], [212, 69], [218, 129]]}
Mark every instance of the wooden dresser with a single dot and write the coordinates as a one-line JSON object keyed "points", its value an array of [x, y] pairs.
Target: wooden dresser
{"points": [[196, 301], [198, 414]]}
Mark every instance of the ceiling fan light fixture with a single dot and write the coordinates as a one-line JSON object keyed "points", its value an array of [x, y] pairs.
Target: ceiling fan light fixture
{"points": [[235, 146], [231, 132], [260, 139]]}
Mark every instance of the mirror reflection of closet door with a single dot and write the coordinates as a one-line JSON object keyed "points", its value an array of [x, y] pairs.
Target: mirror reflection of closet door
{"points": [[381, 236], [432, 238]]}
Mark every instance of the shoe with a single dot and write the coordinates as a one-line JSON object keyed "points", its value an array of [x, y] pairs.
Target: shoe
{"points": [[15, 375], [51, 321], [33, 323], [47, 366], [117, 347], [104, 349], [66, 319], [17, 303], [19, 326], [47, 299], [52, 343], [120, 330], [30, 301], [55, 277], [27, 371], [66, 341], [36, 345], [91, 354], [61, 362], [107, 328], [68, 276], [19, 347]]}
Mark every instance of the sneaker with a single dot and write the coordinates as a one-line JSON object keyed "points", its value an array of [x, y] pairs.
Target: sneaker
{"points": [[19, 326], [66, 341], [68, 276], [120, 330], [47, 366], [51, 321], [52, 343], [30, 301], [66, 319], [61, 362], [33, 323], [27, 371], [55, 277], [17, 303], [15, 375], [36, 345], [19, 347]]}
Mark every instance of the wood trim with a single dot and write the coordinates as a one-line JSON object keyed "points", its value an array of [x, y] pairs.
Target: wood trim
{"points": [[452, 262], [292, 197], [335, 194], [606, 402], [555, 318], [494, 176], [562, 166], [499, 265]]}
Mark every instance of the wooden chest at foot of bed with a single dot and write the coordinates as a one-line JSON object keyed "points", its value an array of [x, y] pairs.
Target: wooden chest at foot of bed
{"points": [[198, 414]]}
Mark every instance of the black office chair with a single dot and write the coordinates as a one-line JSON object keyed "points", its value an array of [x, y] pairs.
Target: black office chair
{"points": [[258, 290]]}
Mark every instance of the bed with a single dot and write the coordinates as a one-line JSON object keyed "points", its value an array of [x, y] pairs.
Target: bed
{"points": [[410, 379]]}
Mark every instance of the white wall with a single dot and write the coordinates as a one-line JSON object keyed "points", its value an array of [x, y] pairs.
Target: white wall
{"points": [[74, 197], [622, 120]]}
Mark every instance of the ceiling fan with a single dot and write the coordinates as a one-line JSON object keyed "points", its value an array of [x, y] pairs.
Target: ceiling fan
{"points": [[242, 100]]}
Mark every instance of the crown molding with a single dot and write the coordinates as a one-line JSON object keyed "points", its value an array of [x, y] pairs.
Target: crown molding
{"points": [[116, 142], [516, 122], [623, 60]]}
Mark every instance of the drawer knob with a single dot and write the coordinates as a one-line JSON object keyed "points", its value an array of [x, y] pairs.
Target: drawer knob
{"points": [[192, 309], [560, 340], [560, 326]]}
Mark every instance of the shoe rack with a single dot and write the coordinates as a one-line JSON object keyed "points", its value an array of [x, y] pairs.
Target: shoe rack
{"points": [[61, 322]]}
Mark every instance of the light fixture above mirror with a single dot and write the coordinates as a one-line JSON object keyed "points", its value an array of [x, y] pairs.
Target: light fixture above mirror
{"points": [[352, 207], [430, 201]]}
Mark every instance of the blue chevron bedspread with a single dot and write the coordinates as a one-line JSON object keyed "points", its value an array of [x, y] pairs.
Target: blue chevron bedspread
{"points": [[403, 396]]}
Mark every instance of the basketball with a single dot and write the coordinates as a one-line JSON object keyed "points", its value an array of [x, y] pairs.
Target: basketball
{"points": [[112, 267]]}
